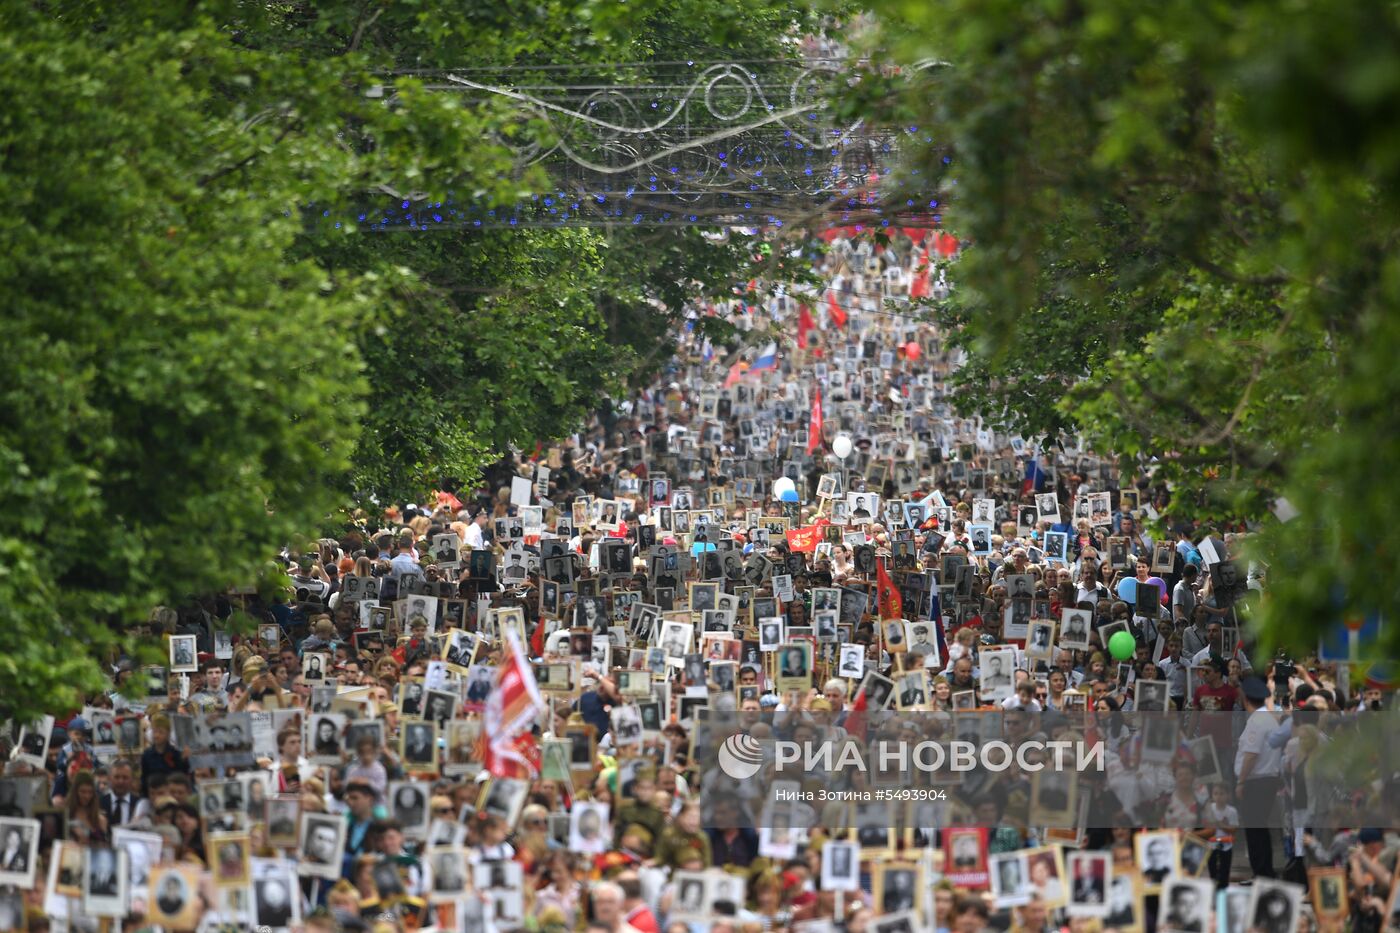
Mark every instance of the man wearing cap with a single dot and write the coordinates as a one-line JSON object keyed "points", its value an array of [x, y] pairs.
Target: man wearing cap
{"points": [[252, 667], [475, 537], [322, 636], [1212, 701], [641, 811], [1257, 768], [160, 757], [76, 749], [362, 804]]}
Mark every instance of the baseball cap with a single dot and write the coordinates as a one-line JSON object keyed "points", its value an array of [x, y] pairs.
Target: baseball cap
{"points": [[1254, 689]]}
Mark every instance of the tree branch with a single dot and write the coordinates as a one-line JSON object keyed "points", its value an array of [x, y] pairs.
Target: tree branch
{"points": [[247, 160], [360, 28], [1264, 281]]}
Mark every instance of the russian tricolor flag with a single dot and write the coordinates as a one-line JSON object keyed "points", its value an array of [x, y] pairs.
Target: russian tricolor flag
{"points": [[768, 359], [1034, 480]]}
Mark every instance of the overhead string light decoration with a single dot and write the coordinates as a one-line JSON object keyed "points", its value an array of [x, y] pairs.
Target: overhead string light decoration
{"points": [[675, 143]]}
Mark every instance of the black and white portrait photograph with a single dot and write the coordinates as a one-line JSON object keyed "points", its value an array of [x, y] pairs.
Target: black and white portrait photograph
{"points": [[1040, 640], [626, 725], [1020, 586], [690, 901], [1159, 737], [449, 872], [1124, 901], [324, 744], [504, 797], [1074, 628], [1009, 879], [851, 662], [556, 678], [143, 851], [878, 690], [589, 829], [1185, 905], [503, 881], [1053, 795], [183, 654], [174, 900], [276, 896], [19, 849], [1150, 696], [794, 665], [911, 690], [1156, 857], [980, 539], [33, 747], [439, 706], [896, 887], [996, 672], [862, 507], [321, 698], [1274, 907], [105, 882], [315, 666], [283, 813], [922, 640], [322, 842], [18, 795], [1090, 875], [770, 633], [675, 640], [408, 805], [840, 866], [419, 745], [906, 921]]}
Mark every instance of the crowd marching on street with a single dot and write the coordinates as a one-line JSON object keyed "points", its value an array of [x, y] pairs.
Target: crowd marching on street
{"points": [[486, 710]]}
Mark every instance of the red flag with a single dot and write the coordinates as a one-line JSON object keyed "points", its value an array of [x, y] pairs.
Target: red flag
{"points": [[891, 606], [537, 638], [804, 324], [945, 243], [511, 709], [855, 719], [814, 427], [806, 538], [919, 287], [449, 500], [838, 316]]}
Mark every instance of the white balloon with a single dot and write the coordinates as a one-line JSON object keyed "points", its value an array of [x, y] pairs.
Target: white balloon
{"points": [[841, 446], [781, 485]]}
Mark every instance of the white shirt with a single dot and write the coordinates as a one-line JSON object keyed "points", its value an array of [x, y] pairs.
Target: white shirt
{"points": [[1176, 675], [1255, 738], [474, 539], [1202, 656]]}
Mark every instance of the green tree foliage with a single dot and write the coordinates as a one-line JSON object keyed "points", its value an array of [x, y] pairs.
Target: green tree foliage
{"points": [[166, 416], [1183, 218], [189, 368]]}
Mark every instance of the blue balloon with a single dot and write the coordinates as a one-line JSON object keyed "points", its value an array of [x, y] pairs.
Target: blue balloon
{"points": [[789, 495]]}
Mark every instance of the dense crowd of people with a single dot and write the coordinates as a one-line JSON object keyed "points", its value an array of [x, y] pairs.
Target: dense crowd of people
{"points": [[481, 711]]}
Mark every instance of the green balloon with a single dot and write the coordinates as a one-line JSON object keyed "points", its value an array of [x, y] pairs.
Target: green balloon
{"points": [[1121, 646]]}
